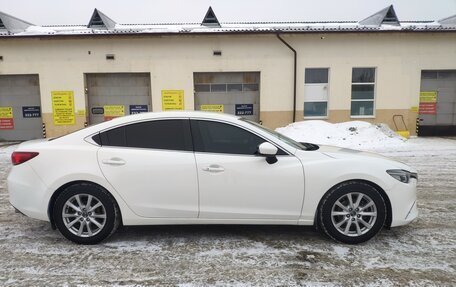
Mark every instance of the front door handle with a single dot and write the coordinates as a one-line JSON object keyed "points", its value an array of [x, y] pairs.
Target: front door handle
{"points": [[113, 161], [214, 168]]}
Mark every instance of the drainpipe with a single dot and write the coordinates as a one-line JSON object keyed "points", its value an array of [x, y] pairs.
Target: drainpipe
{"points": [[295, 74]]}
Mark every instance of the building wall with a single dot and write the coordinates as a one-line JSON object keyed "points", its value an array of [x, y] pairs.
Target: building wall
{"points": [[172, 60]]}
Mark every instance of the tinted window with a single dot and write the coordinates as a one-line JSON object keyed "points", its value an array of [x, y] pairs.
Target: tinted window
{"points": [[316, 76], [315, 109], [114, 137], [96, 138], [363, 75], [223, 138], [160, 134]]}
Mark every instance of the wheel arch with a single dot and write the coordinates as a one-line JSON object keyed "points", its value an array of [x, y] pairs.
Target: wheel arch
{"points": [[58, 191], [389, 210]]}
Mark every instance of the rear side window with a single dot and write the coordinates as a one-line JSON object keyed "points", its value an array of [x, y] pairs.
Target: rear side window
{"points": [[218, 137], [159, 134]]}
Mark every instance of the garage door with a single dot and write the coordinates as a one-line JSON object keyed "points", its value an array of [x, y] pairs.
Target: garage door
{"points": [[236, 93], [20, 108], [118, 94], [437, 110]]}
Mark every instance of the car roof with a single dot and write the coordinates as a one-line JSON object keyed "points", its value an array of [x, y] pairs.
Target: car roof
{"points": [[189, 114]]}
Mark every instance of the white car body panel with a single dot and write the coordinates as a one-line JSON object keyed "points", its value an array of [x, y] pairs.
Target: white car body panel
{"points": [[247, 187], [160, 183], [292, 197]]}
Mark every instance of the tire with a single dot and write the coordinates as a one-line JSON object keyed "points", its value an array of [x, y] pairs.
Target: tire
{"points": [[364, 218], [81, 223]]}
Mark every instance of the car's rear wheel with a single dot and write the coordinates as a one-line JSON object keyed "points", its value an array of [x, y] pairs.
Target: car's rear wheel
{"points": [[86, 214], [352, 212]]}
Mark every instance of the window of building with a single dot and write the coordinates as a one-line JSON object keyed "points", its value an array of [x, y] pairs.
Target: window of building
{"points": [[160, 134], [363, 92], [316, 92]]}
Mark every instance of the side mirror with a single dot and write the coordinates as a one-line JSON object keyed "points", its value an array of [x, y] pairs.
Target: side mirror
{"points": [[269, 151]]}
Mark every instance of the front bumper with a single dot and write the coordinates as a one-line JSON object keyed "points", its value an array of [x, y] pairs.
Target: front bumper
{"points": [[403, 203]]}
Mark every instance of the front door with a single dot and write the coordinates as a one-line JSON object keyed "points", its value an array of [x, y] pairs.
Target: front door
{"points": [[152, 166], [235, 183]]}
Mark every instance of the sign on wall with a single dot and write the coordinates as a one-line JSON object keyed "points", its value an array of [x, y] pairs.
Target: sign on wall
{"points": [[63, 108], [212, 108], [244, 109], [172, 100], [6, 118], [113, 111], [428, 103], [31, 112], [137, 109]]}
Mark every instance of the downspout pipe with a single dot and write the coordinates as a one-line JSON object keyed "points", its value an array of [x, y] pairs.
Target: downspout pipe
{"points": [[295, 73]]}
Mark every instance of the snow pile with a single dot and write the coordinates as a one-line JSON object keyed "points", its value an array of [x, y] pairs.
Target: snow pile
{"points": [[355, 134]]}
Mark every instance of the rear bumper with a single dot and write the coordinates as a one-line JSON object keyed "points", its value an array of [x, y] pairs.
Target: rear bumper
{"points": [[27, 192]]}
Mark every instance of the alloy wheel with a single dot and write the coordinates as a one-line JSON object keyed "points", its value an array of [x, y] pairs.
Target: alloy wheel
{"points": [[84, 215], [354, 214]]}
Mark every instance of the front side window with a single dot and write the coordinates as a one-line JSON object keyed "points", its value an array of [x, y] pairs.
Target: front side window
{"points": [[316, 92], [216, 137], [363, 92], [158, 134]]}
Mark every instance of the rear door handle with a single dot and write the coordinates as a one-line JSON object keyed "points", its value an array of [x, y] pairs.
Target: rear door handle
{"points": [[214, 168], [113, 161]]}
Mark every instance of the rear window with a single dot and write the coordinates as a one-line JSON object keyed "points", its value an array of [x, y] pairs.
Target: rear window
{"points": [[160, 134]]}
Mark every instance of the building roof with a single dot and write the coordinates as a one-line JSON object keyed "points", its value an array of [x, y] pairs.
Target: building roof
{"points": [[385, 20]]}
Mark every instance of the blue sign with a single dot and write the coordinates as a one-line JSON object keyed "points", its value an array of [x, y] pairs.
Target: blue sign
{"points": [[137, 109], [31, 112], [244, 110]]}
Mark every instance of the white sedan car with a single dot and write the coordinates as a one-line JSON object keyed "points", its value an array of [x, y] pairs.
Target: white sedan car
{"points": [[203, 168]]}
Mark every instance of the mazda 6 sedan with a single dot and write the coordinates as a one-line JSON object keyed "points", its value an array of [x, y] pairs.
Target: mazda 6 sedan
{"points": [[203, 168]]}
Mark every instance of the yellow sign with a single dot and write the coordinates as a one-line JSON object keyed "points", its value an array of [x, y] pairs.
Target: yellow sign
{"points": [[63, 108], [414, 109], [172, 100], [428, 97], [114, 111], [212, 108], [6, 112]]}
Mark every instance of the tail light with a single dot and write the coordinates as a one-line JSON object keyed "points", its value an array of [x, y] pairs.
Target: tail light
{"points": [[19, 157]]}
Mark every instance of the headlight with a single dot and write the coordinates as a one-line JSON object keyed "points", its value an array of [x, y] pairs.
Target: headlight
{"points": [[402, 175]]}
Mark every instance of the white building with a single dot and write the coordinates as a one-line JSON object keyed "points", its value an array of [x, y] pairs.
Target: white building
{"points": [[57, 79]]}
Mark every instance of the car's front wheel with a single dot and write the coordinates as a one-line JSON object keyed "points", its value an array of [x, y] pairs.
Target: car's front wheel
{"points": [[86, 214], [352, 212]]}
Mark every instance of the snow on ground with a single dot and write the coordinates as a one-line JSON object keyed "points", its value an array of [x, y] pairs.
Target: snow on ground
{"points": [[420, 254], [354, 134]]}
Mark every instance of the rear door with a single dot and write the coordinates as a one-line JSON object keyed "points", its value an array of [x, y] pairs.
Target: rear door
{"points": [[236, 183], [151, 164]]}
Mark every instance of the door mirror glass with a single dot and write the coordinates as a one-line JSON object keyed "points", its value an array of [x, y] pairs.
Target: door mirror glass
{"points": [[267, 149]]}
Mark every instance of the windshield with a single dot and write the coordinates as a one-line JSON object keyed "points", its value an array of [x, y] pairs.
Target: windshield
{"points": [[277, 135]]}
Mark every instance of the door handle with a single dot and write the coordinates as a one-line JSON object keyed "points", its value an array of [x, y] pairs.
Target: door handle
{"points": [[214, 168], [113, 161]]}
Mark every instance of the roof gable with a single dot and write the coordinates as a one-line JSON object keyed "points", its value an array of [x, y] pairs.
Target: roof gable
{"points": [[210, 19], [13, 24], [100, 21], [385, 16]]}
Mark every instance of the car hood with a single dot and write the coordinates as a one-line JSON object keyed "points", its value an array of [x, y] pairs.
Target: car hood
{"points": [[346, 153]]}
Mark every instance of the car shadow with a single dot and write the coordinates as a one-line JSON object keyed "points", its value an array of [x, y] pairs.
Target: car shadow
{"points": [[253, 232]]}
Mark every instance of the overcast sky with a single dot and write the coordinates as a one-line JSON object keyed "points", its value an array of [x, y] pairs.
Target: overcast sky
{"points": [[51, 12]]}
